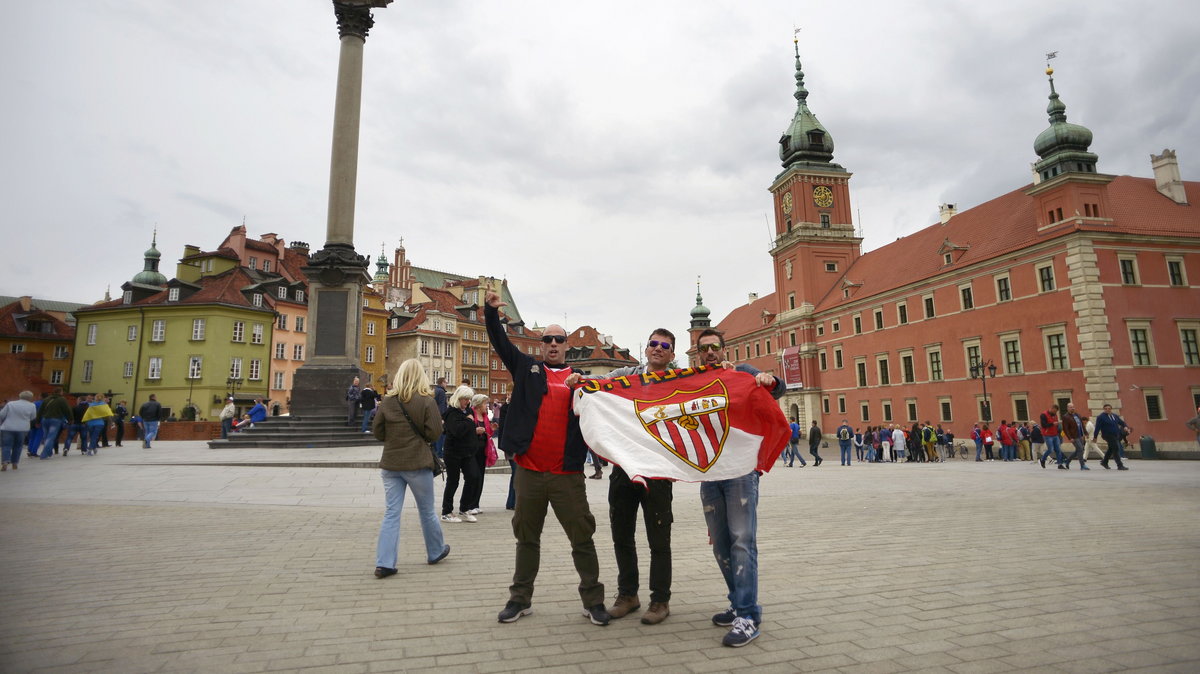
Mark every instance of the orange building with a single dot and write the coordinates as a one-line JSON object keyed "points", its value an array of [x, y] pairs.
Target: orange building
{"points": [[35, 349], [1080, 286]]}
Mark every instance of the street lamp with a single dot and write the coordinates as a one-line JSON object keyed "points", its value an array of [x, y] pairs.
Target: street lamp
{"points": [[982, 370], [233, 384]]}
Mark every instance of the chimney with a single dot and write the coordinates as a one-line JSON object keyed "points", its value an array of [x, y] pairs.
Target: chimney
{"points": [[300, 247], [1037, 177], [1166, 176], [753, 297], [946, 211]]}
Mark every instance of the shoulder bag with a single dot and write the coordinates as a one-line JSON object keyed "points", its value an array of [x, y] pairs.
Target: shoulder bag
{"points": [[439, 466]]}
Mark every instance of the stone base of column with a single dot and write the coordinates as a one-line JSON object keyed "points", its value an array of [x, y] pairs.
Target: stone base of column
{"points": [[320, 390]]}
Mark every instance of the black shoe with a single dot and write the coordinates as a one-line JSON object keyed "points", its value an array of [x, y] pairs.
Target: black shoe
{"points": [[597, 615], [1105, 464], [1063, 467], [1042, 461], [724, 618], [441, 556], [513, 611], [1122, 467], [384, 572]]}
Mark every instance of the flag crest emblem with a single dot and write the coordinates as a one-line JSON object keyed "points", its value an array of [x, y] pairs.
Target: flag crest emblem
{"points": [[691, 424]]}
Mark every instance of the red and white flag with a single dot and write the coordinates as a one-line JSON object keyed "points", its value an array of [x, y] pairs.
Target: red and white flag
{"points": [[695, 425]]}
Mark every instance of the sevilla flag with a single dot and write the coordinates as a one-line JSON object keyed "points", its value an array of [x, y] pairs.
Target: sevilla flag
{"points": [[697, 425]]}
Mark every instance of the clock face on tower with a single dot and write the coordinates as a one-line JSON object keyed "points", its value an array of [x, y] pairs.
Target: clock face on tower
{"points": [[822, 196], [787, 203]]}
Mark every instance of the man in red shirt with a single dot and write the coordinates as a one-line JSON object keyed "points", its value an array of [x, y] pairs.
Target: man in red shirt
{"points": [[542, 434]]}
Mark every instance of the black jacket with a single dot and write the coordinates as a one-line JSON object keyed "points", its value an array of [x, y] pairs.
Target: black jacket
{"points": [[529, 387], [459, 428]]}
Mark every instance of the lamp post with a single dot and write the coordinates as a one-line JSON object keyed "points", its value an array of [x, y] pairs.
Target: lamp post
{"points": [[233, 384], [982, 371]]}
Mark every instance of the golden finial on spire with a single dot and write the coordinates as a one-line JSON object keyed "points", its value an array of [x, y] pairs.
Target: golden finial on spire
{"points": [[1050, 55]]}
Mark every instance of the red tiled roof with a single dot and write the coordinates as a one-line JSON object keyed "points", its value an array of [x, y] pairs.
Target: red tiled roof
{"points": [[9, 328], [748, 317], [224, 288]]}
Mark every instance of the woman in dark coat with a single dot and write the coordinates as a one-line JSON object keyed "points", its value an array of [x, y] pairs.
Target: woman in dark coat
{"points": [[462, 443]]}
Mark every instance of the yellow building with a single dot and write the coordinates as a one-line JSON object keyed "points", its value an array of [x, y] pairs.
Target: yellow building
{"points": [[36, 348]]}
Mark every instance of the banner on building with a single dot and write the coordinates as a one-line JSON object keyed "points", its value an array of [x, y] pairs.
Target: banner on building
{"points": [[793, 376], [696, 425]]}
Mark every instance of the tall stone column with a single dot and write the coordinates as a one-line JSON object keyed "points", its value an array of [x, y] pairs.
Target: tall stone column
{"points": [[336, 273]]}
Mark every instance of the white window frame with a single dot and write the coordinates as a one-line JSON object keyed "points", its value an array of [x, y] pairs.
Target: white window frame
{"points": [[1132, 325], [195, 367], [56, 377], [1007, 280], [280, 351], [1131, 259], [256, 333], [235, 367], [87, 371], [1060, 331], [91, 334], [297, 352], [239, 331], [937, 370], [173, 294], [154, 368], [255, 371], [282, 291], [370, 328], [370, 353], [158, 330], [198, 329], [131, 333], [278, 381], [1039, 278]]}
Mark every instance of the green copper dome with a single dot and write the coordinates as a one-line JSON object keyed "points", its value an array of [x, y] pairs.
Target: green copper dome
{"points": [[381, 267], [1063, 147], [150, 275], [805, 141], [700, 313]]}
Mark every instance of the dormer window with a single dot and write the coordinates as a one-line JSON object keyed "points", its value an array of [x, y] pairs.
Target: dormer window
{"points": [[299, 295], [256, 299], [816, 139], [173, 295], [282, 292], [127, 297], [948, 259]]}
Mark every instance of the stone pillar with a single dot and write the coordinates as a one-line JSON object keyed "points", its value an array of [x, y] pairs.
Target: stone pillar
{"points": [[336, 273]]}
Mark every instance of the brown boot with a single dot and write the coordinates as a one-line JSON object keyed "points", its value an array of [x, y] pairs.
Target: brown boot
{"points": [[658, 612], [596, 476], [624, 605]]}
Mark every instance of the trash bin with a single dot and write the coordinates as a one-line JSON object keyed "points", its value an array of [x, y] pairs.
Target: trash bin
{"points": [[1147, 446]]}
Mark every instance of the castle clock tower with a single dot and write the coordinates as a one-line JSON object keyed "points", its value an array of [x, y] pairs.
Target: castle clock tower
{"points": [[814, 231]]}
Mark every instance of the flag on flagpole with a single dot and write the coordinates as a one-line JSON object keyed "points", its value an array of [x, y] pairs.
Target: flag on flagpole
{"points": [[695, 425]]}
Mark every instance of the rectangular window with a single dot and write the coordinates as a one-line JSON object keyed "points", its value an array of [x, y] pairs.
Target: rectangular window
{"points": [[235, 367], [1129, 274], [370, 327], [757, 349], [887, 411], [278, 377], [266, 265], [154, 369], [1056, 350], [768, 346], [280, 352], [255, 369], [825, 405], [423, 346], [1021, 409], [437, 347], [860, 368], [792, 338], [1046, 278], [17, 348], [837, 357], [858, 325], [1154, 410], [945, 408], [158, 331], [256, 333], [1139, 342], [927, 301], [299, 324], [1003, 290], [968, 298], [131, 333], [87, 371], [196, 367], [198, 329], [370, 358], [1012, 356], [973, 359], [841, 404], [239, 331], [824, 364], [173, 295], [879, 319], [885, 377], [91, 334], [906, 366], [837, 326], [282, 324], [820, 330], [297, 352], [864, 410], [60, 352], [791, 301], [1175, 272], [299, 295], [1191, 346], [911, 408], [902, 313], [935, 365], [256, 299], [56, 377]]}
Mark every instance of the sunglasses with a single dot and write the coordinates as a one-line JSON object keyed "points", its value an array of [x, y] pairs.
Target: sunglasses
{"points": [[665, 346], [560, 339], [708, 347]]}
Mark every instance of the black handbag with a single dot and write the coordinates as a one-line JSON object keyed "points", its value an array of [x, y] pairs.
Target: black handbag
{"points": [[439, 466]]}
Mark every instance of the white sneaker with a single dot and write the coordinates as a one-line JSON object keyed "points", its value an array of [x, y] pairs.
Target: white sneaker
{"points": [[474, 511], [450, 517], [467, 516]]}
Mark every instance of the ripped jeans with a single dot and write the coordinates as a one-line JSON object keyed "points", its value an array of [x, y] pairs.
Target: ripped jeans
{"points": [[731, 511]]}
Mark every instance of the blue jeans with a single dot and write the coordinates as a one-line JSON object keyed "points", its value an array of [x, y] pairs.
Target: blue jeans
{"points": [[72, 431], [34, 439], [844, 447], [1053, 444], [368, 415], [395, 482], [731, 511], [150, 432], [94, 428], [226, 428], [978, 449], [50, 430], [793, 452], [13, 443]]}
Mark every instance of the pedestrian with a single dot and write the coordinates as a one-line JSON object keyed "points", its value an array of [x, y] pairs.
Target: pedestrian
{"points": [[120, 412], [1050, 431], [461, 444], [885, 445], [1193, 425], [15, 419], [366, 402], [1073, 428], [151, 414], [484, 448], [654, 498], [793, 451], [989, 440], [859, 449], [845, 438], [76, 428], [731, 513], [1110, 426], [814, 443], [228, 414], [440, 397], [407, 421], [353, 394], [96, 418], [34, 440], [544, 437], [54, 415]]}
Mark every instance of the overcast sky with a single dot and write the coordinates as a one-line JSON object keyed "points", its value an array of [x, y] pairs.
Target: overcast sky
{"points": [[599, 155]]}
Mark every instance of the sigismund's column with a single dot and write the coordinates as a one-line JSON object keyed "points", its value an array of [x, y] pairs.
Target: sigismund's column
{"points": [[336, 273]]}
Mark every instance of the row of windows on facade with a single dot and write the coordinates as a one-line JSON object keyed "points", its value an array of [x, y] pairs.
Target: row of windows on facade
{"points": [[60, 351], [477, 381], [158, 331], [1019, 408], [1140, 342], [441, 347]]}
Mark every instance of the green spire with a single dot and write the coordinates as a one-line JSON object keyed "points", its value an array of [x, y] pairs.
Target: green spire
{"points": [[1063, 147], [806, 142], [700, 313], [381, 265], [150, 275]]}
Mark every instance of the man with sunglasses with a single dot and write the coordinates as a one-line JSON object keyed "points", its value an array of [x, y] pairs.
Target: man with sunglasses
{"points": [[731, 512], [543, 436], [625, 497]]}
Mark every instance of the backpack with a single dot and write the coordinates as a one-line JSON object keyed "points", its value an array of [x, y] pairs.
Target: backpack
{"points": [[929, 435]]}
